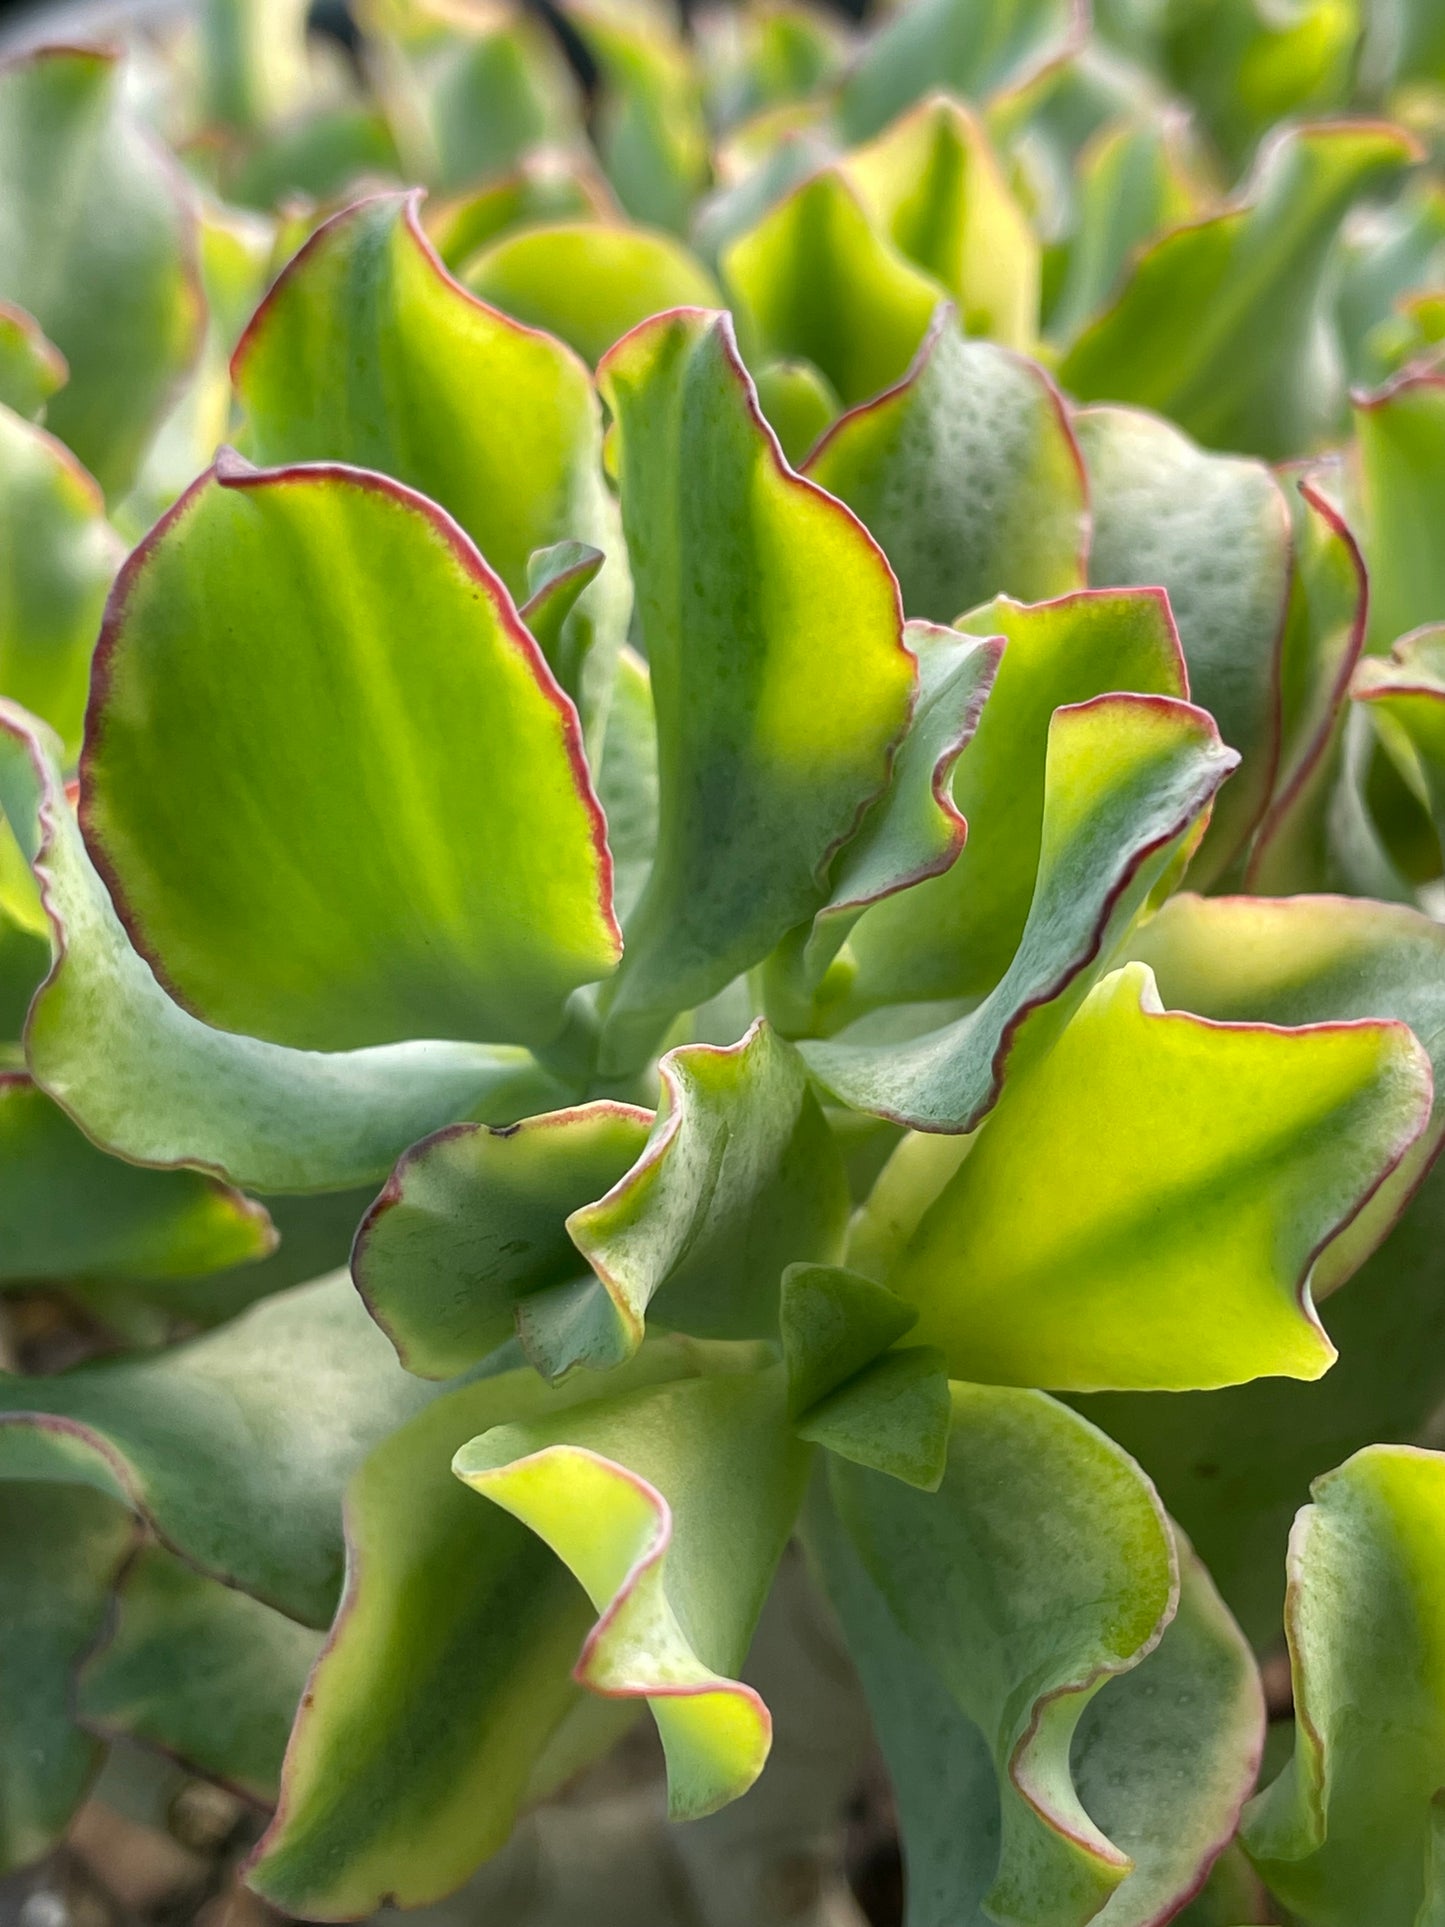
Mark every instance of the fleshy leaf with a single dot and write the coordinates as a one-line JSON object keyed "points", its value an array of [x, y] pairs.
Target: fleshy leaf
{"points": [[798, 405], [1405, 697], [1189, 1164], [234, 1446], [955, 935], [199, 1670], [1246, 67], [557, 577], [545, 186], [1215, 532], [472, 1220], [739, 1178], [649, 123], [955, 44], [672, 1507], [746, 577], [1400, 452], [1218, 326], [366, 351], [1042, 1567], [97, 241], [833, 1323], [70, 1212], [1351, 1829], [627, 781], [816, 281], [967, 475], [31, 368], [936, 186], [59, 1555], [893, 1417], [1127, 778], [147, 1080], [357, 874], [589, 284], [58, 555]]}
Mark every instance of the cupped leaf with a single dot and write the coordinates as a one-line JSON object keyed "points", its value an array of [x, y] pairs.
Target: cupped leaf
{"points": [[672, 1507], [545, 186], [1215, 532], [149, 1081], [816, 281], [970, 50], [59, 1556], [1041, 1568], [200, 1671], [1400, 456], [589, 284], [234, 1446], [1127, 780], [282, 788], [70, 1212], [366, 351], [97, 241], [1404, 696], [747, 577], [1220, 326], [954, 935], [31, 368], [968, 476], [798, 405], [739, 1178], [1351, 1829], [936, 186], [444, 1696], [58, 555], [1188, 1163], [473, 1219]]}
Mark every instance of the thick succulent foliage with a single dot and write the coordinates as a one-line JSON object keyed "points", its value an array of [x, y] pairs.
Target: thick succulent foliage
{"points": [[722, 791]]}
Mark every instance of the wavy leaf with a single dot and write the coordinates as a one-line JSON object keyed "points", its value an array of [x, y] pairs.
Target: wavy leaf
{"points": [[153, 1083], [1215, 532], [366, 351], [1219, 326], [58, 555], [672, 1507], [743, 577], [967, 474], [589, 283], [1351, 1829], [473, 1220], [1127, 779], [1189, 1163], [235, 1446], [955, 935], [357, 876], [31, 368], [97, 241]]}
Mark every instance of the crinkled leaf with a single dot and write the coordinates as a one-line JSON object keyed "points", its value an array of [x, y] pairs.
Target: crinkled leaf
{"points": [[58, 555], [473, 1219], [1219, 325], [739, 1178], [672, 1507], [312, 652], [1127, 779], [954, 935], [367, 351], [1400, 456], [199, 1670], [1215, 532], [937, 188], [97, 242], [589, 283], [968, 476], [71, 1212], [1351, 1830], [816, 281], [1042, 1567], [151, 1082], [1189, 1164], [747, 576], [59, 1554], [31, 368], [235, 1446]]}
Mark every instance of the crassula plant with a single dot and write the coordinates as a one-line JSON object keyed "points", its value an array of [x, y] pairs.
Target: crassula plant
{"points": [[729, 837]]}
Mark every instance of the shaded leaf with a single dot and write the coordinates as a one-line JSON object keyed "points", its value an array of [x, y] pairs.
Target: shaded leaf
{"points": [[797, 404], [649, 124], [834, 1322], [1400, 457], [627, 781], [545, 186], [1404, 695], [31, 368]]}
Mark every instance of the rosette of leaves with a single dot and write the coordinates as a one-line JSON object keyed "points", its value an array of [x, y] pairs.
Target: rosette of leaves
{"points": [[846, 927]]}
